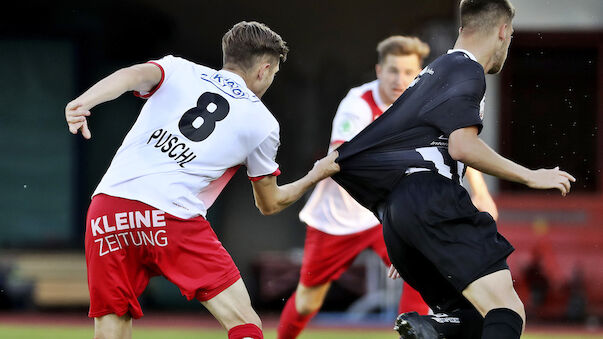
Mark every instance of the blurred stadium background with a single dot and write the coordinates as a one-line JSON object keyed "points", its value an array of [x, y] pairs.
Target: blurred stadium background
{"points": [[543, 110]]}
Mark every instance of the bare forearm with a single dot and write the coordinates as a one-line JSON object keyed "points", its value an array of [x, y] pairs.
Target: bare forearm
{"points": [[465, 146], [479, 193], [476, 181], [481, 157], [141, 77], [108, 89], [271, 198], [290, 193]]}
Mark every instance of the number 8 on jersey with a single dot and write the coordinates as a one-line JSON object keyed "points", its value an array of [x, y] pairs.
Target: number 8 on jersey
{"points": [[211, 108]]}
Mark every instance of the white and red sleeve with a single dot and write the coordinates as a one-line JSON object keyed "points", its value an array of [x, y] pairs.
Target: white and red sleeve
{"points": [[353, 115], [261, 161], [167, 66]]}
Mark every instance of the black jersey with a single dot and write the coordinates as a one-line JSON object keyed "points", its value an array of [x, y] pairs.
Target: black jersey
{"points": [[412, 135]]}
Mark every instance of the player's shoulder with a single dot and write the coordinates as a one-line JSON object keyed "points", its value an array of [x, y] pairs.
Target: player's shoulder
{"points": [[359, 91], [188, 63], [264, 115], [459, 64], [253, 109], [177, 64], [355, 99], [263, 124]]}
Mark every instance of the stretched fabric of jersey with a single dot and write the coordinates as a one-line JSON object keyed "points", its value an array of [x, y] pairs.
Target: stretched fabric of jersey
{"points": [[444, 97]]}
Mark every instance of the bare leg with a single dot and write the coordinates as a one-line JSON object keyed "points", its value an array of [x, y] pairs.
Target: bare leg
{"points": [[494, 291], [111, 326], [232, 307], [299, 309], [309, 299]]}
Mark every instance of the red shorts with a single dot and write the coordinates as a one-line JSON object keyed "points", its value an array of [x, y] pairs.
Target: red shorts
{"points": [[327, 256], [128, 242]]}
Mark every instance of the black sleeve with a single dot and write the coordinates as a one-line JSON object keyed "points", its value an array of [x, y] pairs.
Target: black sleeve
{"points": [[460, 108]]}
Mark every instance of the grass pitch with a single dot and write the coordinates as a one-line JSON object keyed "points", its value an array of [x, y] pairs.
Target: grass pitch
{"points": [[78, 332]]}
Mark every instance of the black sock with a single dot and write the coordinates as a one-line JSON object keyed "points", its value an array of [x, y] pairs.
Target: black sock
{"points": [[472, 324], [459, 324], [502, 323]]}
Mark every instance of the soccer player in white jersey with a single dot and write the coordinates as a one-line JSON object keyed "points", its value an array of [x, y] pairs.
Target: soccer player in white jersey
{"points": [[339, 228], [147, 214]]}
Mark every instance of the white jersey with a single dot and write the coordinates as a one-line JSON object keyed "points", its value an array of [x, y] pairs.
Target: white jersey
{"points": [[330, 208], [196, 128]]}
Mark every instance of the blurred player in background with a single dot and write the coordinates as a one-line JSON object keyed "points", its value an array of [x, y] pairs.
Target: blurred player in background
{"points": [[339, 228], [147, 214], [407, 167]]}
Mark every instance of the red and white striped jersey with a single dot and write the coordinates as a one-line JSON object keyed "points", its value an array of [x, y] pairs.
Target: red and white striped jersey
{"points": [[330, 208], [196, 128]]}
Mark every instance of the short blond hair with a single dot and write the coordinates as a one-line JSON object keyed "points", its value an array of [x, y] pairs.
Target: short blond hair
{"points": [[402, 45]]}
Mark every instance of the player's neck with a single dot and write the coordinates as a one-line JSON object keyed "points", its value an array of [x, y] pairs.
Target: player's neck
{"points": [[244, 75], [476, 46], [238, 71]]}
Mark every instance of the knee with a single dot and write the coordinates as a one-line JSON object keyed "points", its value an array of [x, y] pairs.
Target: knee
{"points": [[511, 302], [519, 308], [309, 299], [305, 305], [111, 326], [515, 304], [494, 291]]}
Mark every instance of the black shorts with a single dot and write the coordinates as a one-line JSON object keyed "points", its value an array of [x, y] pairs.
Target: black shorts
{"points": [[438, 241]]}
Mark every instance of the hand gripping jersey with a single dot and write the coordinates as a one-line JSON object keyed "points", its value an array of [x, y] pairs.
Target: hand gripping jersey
{"points": [[196, 128], [330, 208], [412, 135]]}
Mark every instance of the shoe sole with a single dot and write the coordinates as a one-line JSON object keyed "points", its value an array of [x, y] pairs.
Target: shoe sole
{"points": [[404, 328], [409, 327]]}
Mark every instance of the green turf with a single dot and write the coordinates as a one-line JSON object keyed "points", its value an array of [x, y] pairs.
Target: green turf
{"points": [[48, 332]]}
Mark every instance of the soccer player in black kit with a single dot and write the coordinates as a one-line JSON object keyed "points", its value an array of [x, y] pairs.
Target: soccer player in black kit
{"points": [[407, 167]]}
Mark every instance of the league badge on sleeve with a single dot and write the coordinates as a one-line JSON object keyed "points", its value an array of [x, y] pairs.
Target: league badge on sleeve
{"points": [[346, 128]]}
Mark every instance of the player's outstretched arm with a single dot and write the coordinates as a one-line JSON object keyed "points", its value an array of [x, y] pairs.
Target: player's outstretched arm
{"points": [[479, 192], [271, 198], [140, 78], [464, 145]]}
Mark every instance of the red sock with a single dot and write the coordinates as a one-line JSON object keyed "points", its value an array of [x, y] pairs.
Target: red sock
{"points": [[411, 300], [292, 323], [246, 331]]}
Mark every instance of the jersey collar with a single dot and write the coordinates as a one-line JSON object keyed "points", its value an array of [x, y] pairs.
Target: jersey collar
{"points": [[233, 76], [469, 54]]}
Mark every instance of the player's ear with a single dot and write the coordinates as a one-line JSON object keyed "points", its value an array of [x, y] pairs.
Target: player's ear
{"points": [[263, 70], [378, 69], [502, 31]]}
